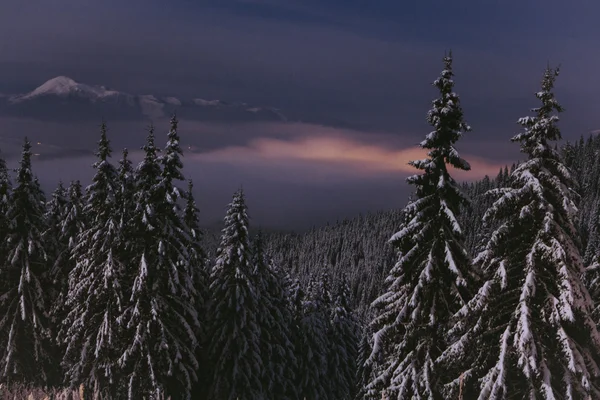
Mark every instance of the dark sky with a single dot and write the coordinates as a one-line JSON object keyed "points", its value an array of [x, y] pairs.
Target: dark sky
{"points": [[359, 71]]}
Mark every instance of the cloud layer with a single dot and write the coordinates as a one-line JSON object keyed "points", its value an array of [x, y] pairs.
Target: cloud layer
{"points": [[357, 159]]}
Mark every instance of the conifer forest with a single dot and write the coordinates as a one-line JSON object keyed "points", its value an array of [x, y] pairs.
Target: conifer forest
{"points": [[478, 290]]}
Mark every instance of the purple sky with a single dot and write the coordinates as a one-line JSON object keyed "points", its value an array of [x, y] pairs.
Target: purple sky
{"points": [[357, 74]]}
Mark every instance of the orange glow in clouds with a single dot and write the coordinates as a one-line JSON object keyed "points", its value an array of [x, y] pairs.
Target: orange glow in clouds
{"points": [[336, 150]]}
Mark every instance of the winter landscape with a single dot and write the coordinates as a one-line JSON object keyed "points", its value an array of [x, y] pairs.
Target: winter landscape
{"points": [[284, 200]]}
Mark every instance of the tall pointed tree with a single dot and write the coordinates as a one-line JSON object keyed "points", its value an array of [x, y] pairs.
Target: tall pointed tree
{"points": [[171, 163], [196, 253], [276, 349], [91, 332], [125, 198], [296, 299], [55, 245], [24, 333], [198, 261], [312, 346], [159, 356], [432, 277], [528, 332], [55, 210], [5, 192], [234, 348], [71, 226], [343, 345]]}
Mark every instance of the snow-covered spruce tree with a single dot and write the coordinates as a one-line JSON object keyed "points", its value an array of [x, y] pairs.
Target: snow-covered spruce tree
{"points": [[342, 345], [90, 330], [277, 350], [125, 198], [5, 192], [55, 246], [234, 338], [197, 256], [296, 297], [528, 332], [592, 282], [171, 163], [55, 213], [160, 344], [24, 334], [53, 240], [71, 225], [432, 277], [363, 370], [199, 269], [284, 284], [312, 346]]}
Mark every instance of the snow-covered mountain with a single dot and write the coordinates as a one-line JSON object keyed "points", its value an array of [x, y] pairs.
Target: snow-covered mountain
{"points": [[62, 98], [62, 86]]}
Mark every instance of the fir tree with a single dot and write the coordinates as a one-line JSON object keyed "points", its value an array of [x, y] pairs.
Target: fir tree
{"points": [[276, 350], [5, 193], [234, 347], [312, 348], [160, 318], [54, 242], [198, 265], [91, 331], [24, 333], [432, 277], [55, 212], [171, 163], [125, 198], [196, 253], [343, 346], [296, 297], [71, 225], [528, 332]]}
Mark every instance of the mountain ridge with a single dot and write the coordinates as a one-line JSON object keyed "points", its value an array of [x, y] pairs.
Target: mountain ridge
{"points": [[62, 97]]}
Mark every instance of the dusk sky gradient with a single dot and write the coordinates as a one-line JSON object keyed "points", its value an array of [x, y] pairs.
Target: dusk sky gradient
{"points": [[356, 76]]}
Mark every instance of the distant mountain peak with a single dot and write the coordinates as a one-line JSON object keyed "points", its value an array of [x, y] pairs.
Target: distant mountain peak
{"points": [[60, 84], [55, 98], [64, 86]]}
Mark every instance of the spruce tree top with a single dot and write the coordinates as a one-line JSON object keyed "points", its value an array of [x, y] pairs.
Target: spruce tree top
{"points": [[149, 169], [171, 161], [446, 117], [24, 174], [5, 185], [236, 230], [190, 213], [258, 255], [104, 150], [125, 166], [4, 178], [102, 190], [542, 127]]}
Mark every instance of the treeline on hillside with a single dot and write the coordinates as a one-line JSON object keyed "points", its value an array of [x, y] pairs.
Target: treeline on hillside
{"points": [[359, 248], [355, 250]]}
